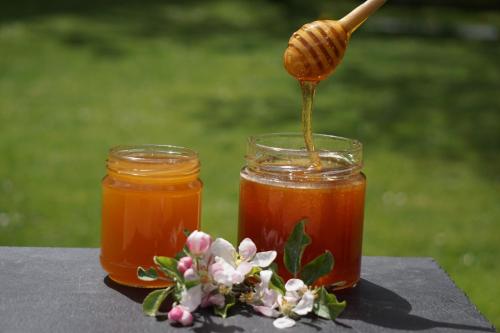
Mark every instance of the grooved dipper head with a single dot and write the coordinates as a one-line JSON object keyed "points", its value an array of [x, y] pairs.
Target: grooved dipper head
{"points": [[315, 50]]}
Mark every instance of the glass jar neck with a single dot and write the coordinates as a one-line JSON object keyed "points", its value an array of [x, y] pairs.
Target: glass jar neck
{"points": [[153, 164], [283, 155]]}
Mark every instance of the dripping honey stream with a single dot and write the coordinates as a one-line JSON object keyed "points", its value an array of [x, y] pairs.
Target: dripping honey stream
{"points": [[308, 92]]}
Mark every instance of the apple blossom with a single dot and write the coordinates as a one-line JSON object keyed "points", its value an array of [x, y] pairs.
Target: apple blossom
{"points": [[248, 252], [231, 267], [298, 300], [226, 274]]}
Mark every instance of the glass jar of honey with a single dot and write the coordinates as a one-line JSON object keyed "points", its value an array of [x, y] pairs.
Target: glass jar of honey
{"points": [[280, 185], [150, 194]]}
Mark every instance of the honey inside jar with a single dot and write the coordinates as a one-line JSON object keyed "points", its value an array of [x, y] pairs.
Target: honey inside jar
{"points": [[151, 193], [278, 188]]}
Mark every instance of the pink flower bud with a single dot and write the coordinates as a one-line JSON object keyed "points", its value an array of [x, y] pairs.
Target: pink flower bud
{"points": [[198, 242], [179, 314], [187, 319], [175, 314], [184, 264], [187, 261], [181, 268]]}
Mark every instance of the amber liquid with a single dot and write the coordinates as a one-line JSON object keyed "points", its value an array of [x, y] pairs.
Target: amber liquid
{"points": [[334, 210], [144, 218], [308, 91]]}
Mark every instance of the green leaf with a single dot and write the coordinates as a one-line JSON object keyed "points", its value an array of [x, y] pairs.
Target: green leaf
{"points": [[327, 306], [147, 275], [316, 268], [222, 311], [277, 283], [153, 301], [169, 267], [186, 232], [294, 248]]}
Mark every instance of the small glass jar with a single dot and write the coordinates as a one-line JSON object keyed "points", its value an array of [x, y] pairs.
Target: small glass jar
{"points": [[150, 194], [281, 184]]}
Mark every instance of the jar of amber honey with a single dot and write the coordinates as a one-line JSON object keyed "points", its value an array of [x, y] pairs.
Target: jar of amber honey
{"points": [[150, 194], [280, 185]]}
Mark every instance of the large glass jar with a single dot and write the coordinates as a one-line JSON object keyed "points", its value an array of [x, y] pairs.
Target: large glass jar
{"points": [[151, 193], [280, 186]]}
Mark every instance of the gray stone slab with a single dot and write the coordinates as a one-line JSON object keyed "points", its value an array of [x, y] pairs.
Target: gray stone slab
{"points": [[65, 290]]}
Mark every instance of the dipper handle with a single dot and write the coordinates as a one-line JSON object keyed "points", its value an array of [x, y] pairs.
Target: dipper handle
{"points": [[358, 15]]}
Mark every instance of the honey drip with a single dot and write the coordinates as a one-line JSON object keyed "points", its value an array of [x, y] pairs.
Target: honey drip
{"points": [[308, 92]]}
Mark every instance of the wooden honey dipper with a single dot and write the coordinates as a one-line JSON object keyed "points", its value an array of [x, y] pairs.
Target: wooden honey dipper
{"points": [[316, 49]]}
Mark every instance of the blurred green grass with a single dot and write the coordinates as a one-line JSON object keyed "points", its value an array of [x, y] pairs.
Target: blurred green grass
{"points": [[76, 79]]}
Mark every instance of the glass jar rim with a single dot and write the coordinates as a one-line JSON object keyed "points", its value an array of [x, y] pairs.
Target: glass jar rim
{"points": [[153, 161], [354, 145], [128, 152], [285, 155]]}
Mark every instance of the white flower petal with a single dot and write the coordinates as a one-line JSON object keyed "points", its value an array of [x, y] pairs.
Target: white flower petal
{"points": [[247, 249], [284, 322], [294, 285], [222, 248], [264, 259], [190, 275], [269, 298], [265, 277], [280, 299], [305, 305], [224, 273], [191, 299], [266, 311], [291, 297], [237, 277], [244, 268]]}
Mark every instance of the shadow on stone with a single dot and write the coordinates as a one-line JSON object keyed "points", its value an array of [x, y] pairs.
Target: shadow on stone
{"points": [[373, 304], [206, 321], [135, 294], [138, 295]]}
